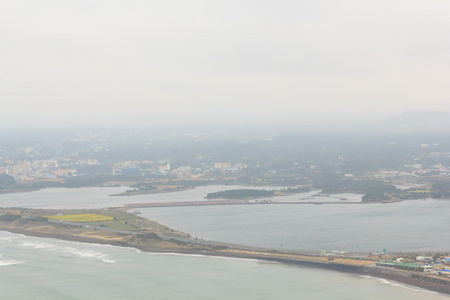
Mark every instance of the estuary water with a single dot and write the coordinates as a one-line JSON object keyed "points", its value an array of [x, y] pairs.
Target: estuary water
{"points": [[99, 197], [416, 225], [40, 268]]}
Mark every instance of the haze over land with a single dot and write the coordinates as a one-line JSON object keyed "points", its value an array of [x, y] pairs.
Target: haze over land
{"points": [[281, 92], [293, 125]]}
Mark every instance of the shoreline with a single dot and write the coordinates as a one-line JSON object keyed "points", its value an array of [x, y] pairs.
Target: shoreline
{"points": [[350, 266], [178, 243], [150, 192], [185, 188]]}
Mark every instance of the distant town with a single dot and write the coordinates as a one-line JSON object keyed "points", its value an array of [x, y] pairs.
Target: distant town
{"points": [[381, 167]]}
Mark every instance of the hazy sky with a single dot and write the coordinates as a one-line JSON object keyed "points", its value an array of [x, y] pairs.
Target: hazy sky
{"points": [[66, 62]]}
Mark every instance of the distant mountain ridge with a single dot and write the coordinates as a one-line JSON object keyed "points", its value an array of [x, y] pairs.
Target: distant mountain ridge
{"points": [[414, 122]]}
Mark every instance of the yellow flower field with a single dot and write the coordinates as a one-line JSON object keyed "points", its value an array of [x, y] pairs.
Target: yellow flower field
{"points": [[81, 218]]}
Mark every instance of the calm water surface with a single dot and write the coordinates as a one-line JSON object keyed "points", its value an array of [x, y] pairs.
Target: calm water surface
{"points": [[418, 225], [95, 197], [37, 268]]}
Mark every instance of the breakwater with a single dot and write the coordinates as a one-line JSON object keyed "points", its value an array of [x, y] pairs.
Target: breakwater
{"points": [[229, 202]]}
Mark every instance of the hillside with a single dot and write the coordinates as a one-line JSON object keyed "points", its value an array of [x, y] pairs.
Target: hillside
{"points": [[414, 122]]}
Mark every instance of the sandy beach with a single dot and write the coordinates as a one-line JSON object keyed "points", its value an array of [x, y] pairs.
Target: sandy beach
{"points": [[355, 266]]}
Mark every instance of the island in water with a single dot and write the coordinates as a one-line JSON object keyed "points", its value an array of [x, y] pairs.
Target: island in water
{"points": [[252, 193]]}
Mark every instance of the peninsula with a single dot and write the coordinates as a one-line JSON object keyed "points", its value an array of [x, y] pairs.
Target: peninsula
{"points": [[117, 227]]}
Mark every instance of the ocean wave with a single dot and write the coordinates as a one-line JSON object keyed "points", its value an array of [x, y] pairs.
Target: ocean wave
{"points": [[4, 263], [398, 284], [174, 254], [243, 259], [37, 245], [88, 254], [206, 256], [68, 251], [127, 248], [83, 253], [8, 236]]}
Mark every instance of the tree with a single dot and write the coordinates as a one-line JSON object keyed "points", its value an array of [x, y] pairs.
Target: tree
{"points": [[7, 181]]}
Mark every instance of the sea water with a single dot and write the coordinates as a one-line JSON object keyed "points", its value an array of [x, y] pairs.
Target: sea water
{"points": [[38, 268], [41, 268]]}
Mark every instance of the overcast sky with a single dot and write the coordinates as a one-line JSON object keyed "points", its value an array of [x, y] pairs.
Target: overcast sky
{"points": [[84, 62]]}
